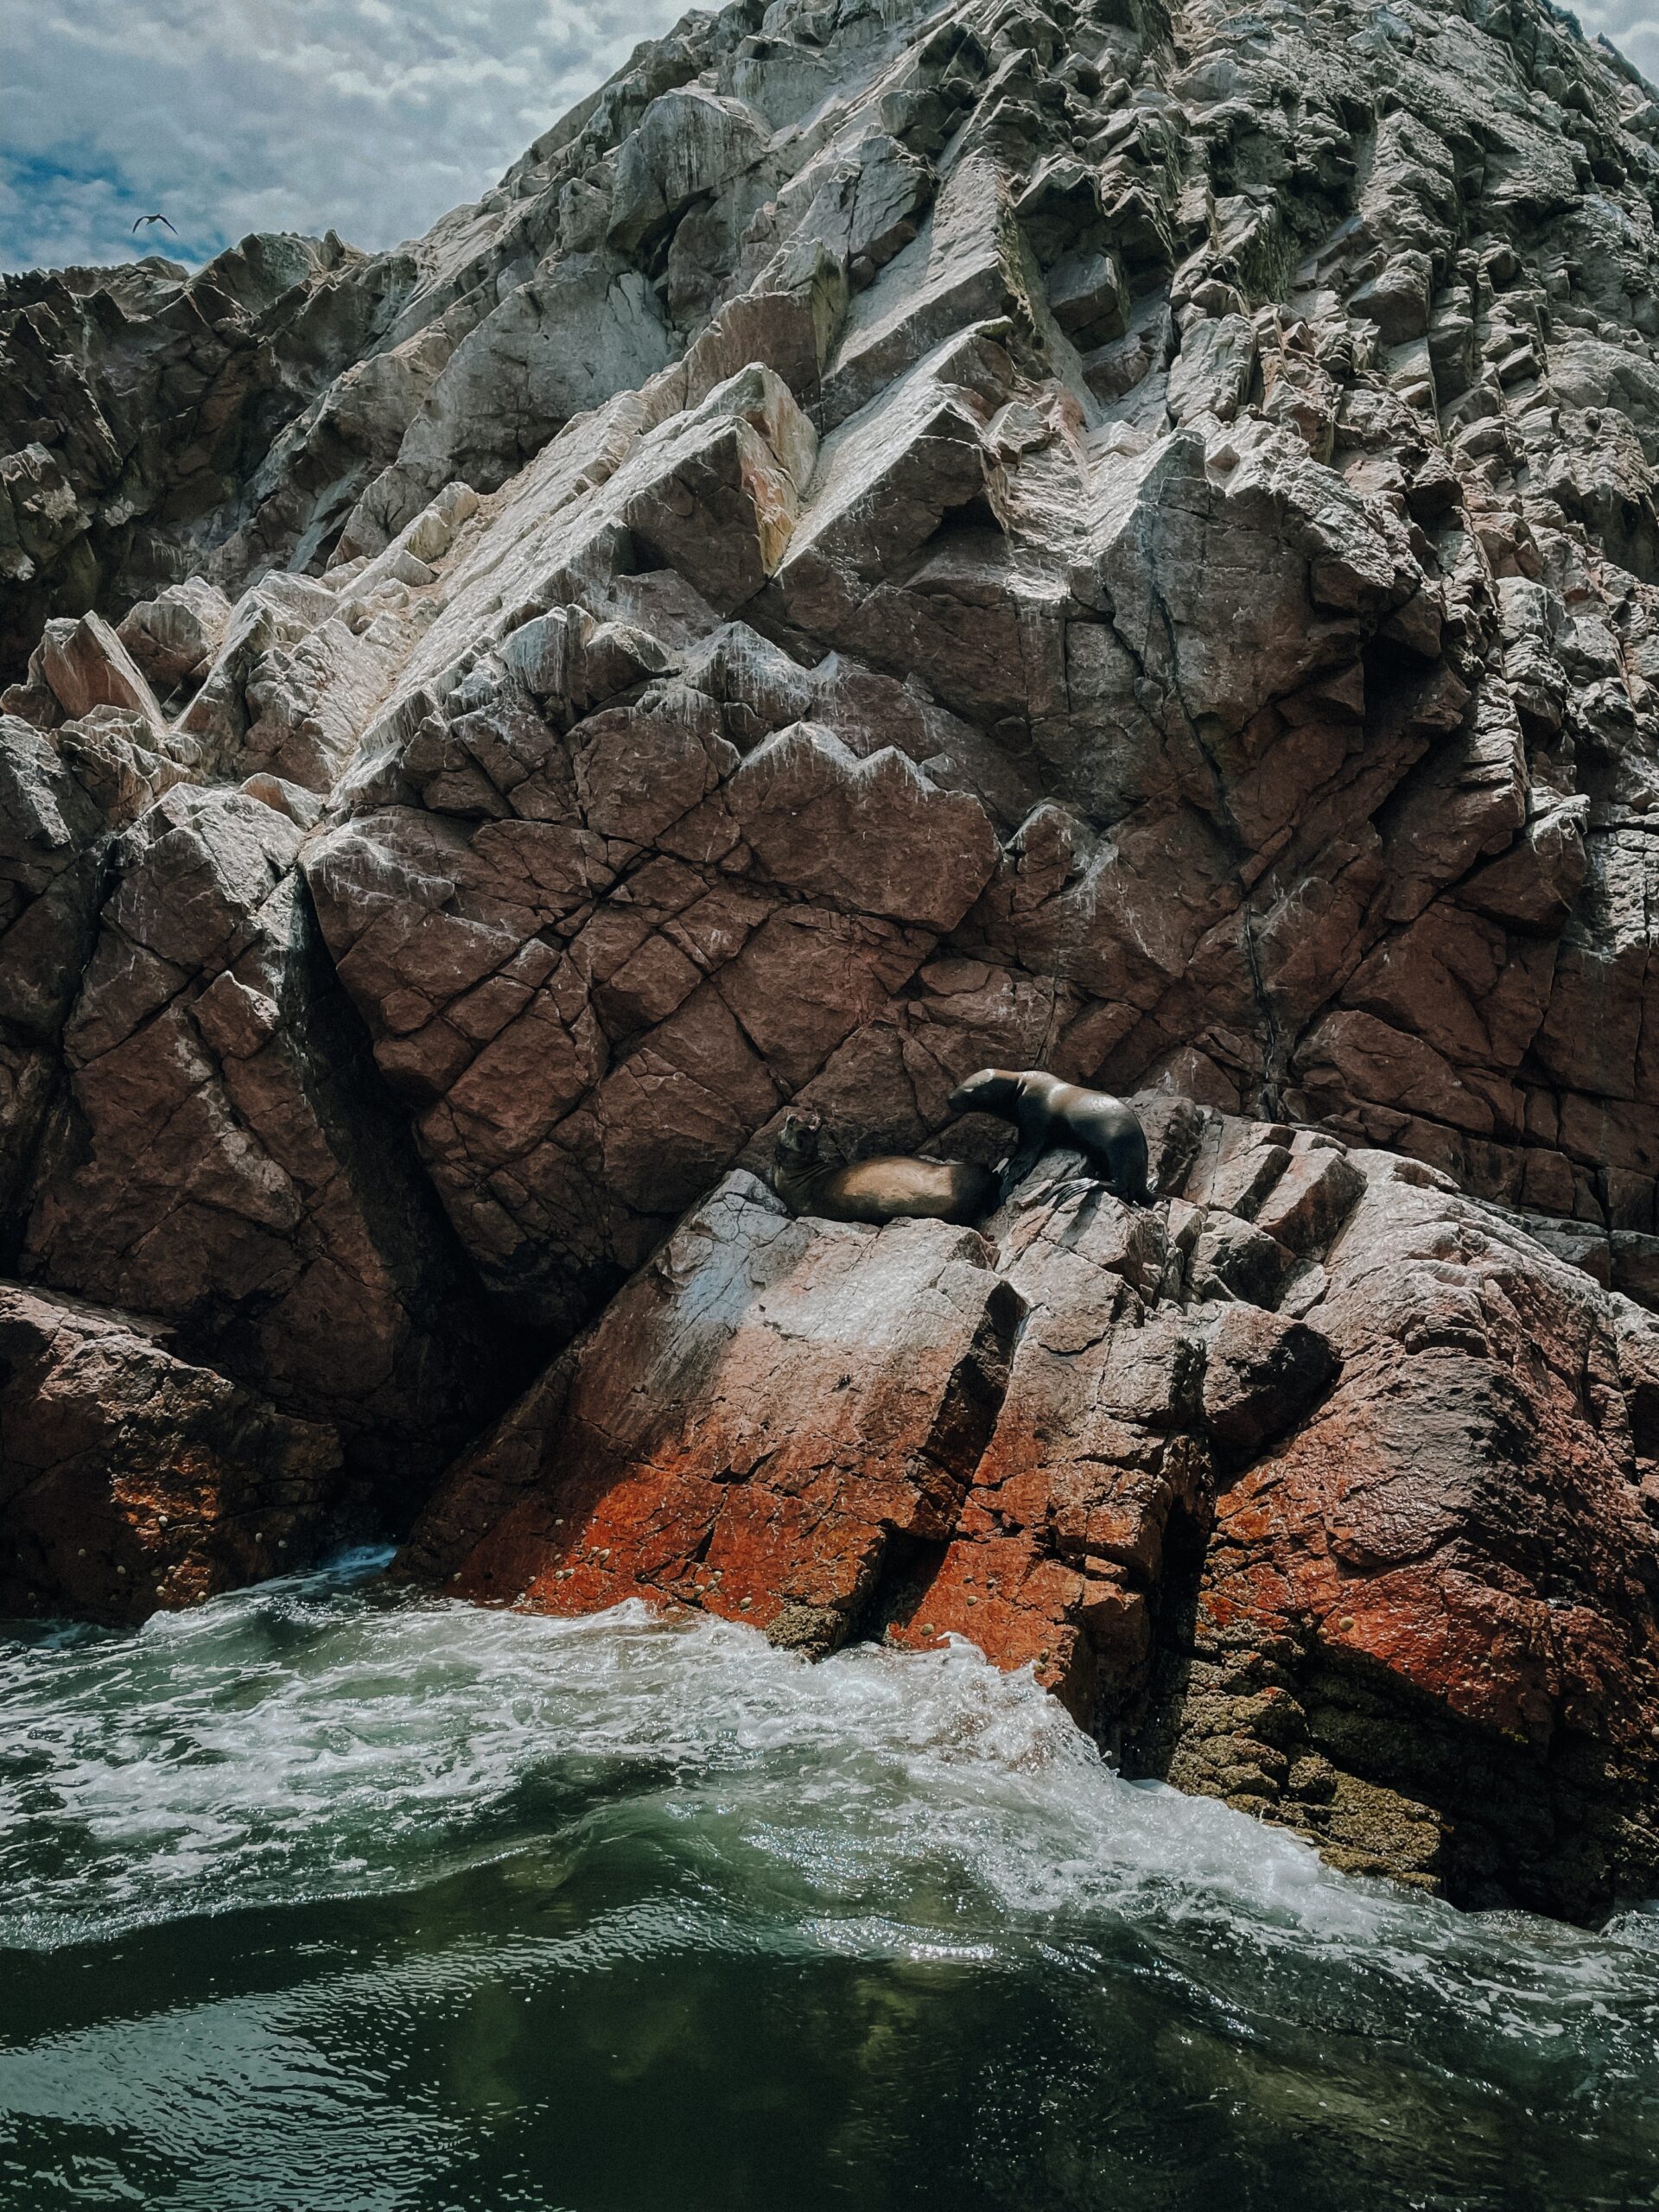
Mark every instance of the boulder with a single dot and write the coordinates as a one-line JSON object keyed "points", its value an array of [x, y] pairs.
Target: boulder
{"points": [[1212, 373], [720, 501], [173, 637], [132, 1482], [1424, 1630], [719, 1440], [1262, 1373], [87, 666], [273, 619], [1372, 1555]]}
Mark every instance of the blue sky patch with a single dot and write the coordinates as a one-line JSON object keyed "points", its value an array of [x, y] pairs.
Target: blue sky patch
{"points": [[361, 115], [231, 116]]}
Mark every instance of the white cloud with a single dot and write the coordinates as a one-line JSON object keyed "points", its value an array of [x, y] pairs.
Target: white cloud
{"points": [[363, 116], [1633, 29], [238, 115]]}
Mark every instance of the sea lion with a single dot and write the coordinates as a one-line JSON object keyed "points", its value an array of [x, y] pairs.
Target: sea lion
{"points": [[890, 1188], [1047, 1111]]}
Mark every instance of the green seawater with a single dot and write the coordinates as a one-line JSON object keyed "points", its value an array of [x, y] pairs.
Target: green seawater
{"points": [[329, 1899]]}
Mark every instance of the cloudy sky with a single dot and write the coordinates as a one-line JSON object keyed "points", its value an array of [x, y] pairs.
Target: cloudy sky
{"points": [[229, 116], [372, 116], [1632, 25]]}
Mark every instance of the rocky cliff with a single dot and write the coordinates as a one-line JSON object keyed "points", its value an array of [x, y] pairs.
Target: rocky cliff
{"points": [[894, 540]]}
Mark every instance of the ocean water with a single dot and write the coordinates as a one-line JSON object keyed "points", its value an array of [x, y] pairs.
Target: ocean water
{"points": [[326, 1898]]}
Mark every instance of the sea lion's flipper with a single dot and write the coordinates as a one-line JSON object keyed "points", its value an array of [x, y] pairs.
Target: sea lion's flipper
{"points": [[1131, 1191]]}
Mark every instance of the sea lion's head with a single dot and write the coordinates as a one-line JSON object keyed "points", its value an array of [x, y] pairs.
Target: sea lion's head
{"points": [[797, 1143], [991, 1091]]}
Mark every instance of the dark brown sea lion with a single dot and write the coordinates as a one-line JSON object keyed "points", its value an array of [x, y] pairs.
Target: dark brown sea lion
{"points": [[1047, 1111], [890, 1188]]}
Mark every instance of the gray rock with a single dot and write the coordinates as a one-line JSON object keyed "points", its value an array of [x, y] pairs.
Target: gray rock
{"points": [[888, 544]]}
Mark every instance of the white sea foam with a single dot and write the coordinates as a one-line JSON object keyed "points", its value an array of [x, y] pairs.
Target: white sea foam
{"points": [[315, 1737], [322, 1739]]}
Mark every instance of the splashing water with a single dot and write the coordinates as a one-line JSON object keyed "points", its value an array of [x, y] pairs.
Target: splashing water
{"points": [[325, 1899]]}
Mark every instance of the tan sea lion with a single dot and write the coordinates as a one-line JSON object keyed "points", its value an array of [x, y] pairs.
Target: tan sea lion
{"points": [[1047, 1111], [890, 1188]]}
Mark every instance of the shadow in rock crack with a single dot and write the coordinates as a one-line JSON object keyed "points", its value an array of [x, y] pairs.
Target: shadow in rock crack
{"points": [[1145, 1734]]}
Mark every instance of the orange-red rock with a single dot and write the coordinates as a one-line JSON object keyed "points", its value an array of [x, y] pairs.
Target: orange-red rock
{"points": [[1098, 566], [1445, 1585], [771, 1422], [1371, 1551]]}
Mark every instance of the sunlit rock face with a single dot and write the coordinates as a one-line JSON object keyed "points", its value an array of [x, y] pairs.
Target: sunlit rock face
{"points": [[1321, 1487], [895, 542]]}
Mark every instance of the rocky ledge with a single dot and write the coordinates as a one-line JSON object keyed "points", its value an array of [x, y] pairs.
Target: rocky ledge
{"points": [[896, 540], [1318, 1486]]}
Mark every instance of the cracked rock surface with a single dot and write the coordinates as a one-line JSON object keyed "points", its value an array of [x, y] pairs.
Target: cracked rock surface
{"points": [[899, 539], [1320, 1487]]}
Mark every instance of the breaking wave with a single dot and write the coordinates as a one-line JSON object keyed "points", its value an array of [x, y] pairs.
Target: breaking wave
{"points": [[326, 1896]]}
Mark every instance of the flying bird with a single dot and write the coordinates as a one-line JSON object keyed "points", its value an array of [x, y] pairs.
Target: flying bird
{"points": [[143, 220]]}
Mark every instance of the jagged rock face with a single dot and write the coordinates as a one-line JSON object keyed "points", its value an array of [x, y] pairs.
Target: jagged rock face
{"points": [[894, 543], [149, 415], [1446, 1583], [220, 1162], [1230, 443], [1322, 1488]]}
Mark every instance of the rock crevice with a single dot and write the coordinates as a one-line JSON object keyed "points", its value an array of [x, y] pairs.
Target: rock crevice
{"points": [[894, 542]]}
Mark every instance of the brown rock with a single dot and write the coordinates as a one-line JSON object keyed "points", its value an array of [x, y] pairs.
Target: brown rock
{"points": [[220, 1163], [721, 500], [876, 831], [1442, 1589], [133, 1482], [1261, 1374]]}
